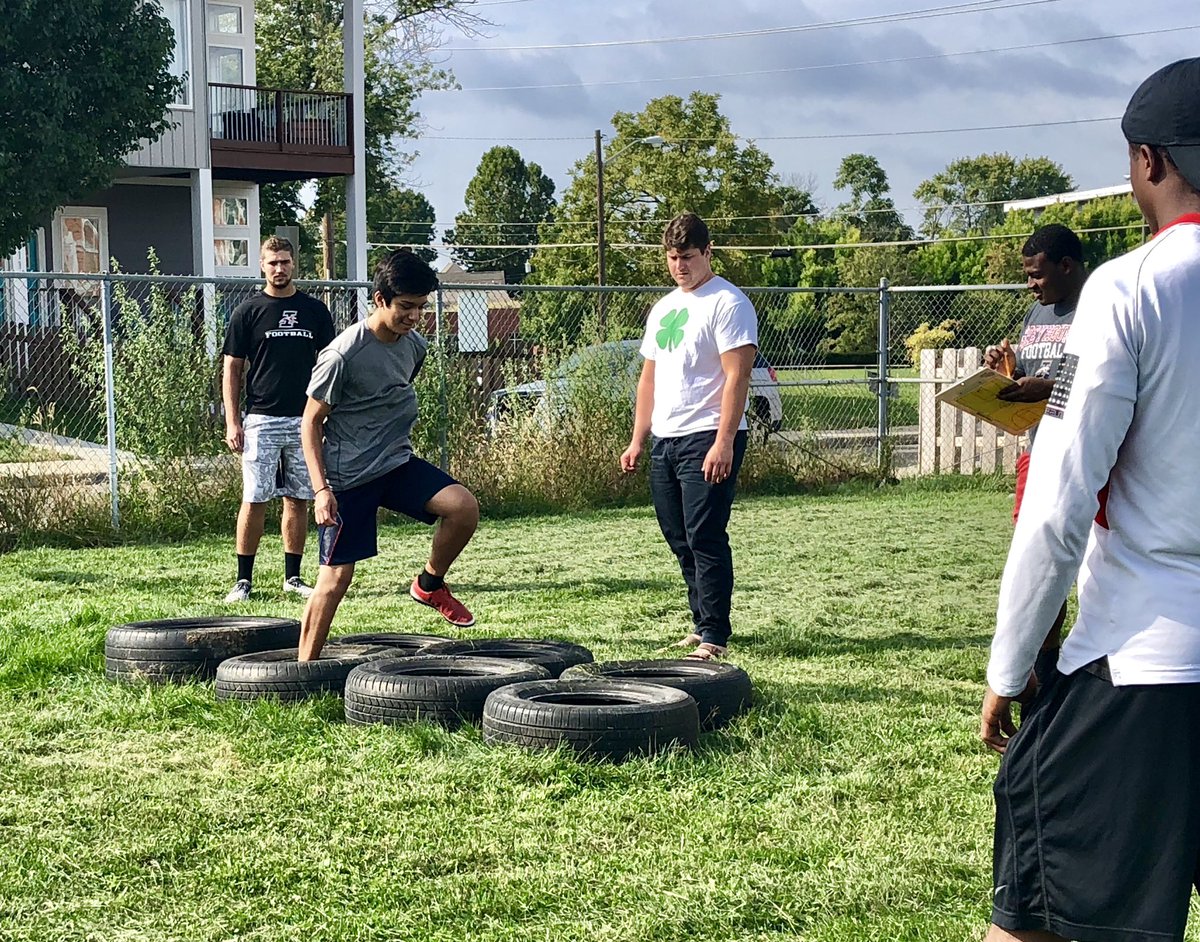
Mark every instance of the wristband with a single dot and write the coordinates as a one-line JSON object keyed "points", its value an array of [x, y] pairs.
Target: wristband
{"points": [[319, 489]]}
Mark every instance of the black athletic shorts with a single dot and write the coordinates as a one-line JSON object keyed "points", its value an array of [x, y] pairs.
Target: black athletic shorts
{"points": [[406, 490], [1098, 811]]}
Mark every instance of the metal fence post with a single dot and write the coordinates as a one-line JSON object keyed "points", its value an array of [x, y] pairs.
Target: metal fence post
{"points": [[110, 401], [883, 450], [443, 439]]}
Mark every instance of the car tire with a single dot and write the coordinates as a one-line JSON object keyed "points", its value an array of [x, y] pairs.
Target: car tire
{"points": [[443, 690], [721, 691], [400, 643], [602, 719], [176, 650], [555, 656], [279, 675]]}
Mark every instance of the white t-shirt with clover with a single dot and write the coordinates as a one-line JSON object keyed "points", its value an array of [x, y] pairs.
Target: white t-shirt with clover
{"points": [[686, 333]]}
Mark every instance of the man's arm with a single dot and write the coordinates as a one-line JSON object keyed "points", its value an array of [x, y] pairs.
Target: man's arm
{"points": [[1076, 449], [642, 410], [312, 440], [231, 394], [1027, 389], [736, 364]]}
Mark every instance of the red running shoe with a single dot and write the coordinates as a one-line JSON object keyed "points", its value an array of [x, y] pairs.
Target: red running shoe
{"points": [[446, 604]]}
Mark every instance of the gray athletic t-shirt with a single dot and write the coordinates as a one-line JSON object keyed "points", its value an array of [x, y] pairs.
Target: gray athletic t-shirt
{"points": [[1043, 334], [369, 385]]}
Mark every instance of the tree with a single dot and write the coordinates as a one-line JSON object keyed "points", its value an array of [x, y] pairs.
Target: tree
{"points": [[869, 208], [402, 217], [505, 201], [400, 36], [967, 195], [701, 168], [75, 99], [853, 319]]}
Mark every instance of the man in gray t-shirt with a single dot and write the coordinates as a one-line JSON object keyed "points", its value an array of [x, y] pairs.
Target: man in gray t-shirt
{"points": [[368, 384], [1053, 262], [356, 435]]}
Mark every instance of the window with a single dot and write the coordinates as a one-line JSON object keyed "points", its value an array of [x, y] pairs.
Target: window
{"points": [[223, 18], [232, 253], [225, 65], [81, 244], [176, 12], [231, 211]]}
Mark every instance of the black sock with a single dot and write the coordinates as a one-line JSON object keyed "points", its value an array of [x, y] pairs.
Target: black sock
{"points": [[291, 565], [245, 567], [429, 582]]}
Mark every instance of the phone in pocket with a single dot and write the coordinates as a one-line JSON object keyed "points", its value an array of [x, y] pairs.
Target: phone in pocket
{"points": [[327, 537]]}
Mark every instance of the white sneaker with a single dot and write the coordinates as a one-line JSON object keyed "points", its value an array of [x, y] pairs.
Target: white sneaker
{"points": [[240, 591], [297, 585]]}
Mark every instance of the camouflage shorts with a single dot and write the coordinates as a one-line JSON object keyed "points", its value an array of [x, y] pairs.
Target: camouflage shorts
{"points": [[272, 460]]}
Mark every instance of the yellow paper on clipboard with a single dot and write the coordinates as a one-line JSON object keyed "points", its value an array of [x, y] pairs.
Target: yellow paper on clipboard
{"points": [[976, 395]]}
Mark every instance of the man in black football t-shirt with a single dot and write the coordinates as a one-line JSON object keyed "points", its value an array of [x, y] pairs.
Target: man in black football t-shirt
{"points": [[272, 341]]}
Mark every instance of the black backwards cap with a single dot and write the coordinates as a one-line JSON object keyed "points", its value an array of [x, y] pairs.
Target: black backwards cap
{"points": [[1165, 112]]}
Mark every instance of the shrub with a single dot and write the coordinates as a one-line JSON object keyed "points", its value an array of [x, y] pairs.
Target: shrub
{"points": [[164, 378], [173, 464], [930, 338]]}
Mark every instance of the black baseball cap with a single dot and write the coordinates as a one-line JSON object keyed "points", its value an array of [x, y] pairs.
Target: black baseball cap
{"points": [[1165, 112]]}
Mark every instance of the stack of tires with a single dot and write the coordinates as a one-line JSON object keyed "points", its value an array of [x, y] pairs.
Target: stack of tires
{"points": [[532, 693]]}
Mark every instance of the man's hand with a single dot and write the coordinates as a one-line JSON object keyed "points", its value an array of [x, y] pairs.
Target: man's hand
{"points": [[235, 437], [630, 456], [718, 463], [1027, 389], [996, 726], [325, 507], [1002, 358]]}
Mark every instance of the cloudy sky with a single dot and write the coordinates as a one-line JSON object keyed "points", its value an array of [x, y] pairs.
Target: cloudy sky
{"points": [[971, 65]]}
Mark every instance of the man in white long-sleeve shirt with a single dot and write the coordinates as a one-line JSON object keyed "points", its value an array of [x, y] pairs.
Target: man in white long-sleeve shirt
{"points": [[1098, 794]]}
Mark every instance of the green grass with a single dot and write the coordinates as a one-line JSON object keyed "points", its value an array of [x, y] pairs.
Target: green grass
{"points": [[853, 802], [821, 408]]}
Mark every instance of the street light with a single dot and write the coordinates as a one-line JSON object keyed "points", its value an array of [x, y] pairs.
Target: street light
{"points": [[654, 140]]}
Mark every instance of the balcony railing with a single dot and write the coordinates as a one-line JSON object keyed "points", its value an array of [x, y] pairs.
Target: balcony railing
{"points": [[250, 118]]}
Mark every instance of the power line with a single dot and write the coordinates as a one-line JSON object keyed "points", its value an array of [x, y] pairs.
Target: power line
{"points": [[815, 68], [802, 137], [895, 243], [978, 6], [829, 214]]}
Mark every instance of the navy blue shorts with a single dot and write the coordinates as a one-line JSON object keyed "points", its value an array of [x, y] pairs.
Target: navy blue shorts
{"points": [[406, 490], [1097, 814]]}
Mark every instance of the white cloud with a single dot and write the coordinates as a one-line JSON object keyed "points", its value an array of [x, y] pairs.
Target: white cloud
{"points": [[1056, 83]]}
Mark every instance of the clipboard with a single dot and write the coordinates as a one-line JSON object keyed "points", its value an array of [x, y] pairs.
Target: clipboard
{"points": [[976, 395]]}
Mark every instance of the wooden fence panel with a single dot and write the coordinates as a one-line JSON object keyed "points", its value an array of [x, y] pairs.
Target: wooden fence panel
{"points": [[949, 439]]}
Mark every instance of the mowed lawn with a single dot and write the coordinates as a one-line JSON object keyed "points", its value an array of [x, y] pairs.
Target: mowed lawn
{"points": [[852, 803], [847, 404]]}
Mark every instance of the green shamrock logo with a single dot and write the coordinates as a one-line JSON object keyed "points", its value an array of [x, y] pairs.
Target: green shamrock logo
{"points": [[671, 335]]}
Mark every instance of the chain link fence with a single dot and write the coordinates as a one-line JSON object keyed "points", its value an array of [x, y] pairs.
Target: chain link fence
{"points": [[111, 417]]}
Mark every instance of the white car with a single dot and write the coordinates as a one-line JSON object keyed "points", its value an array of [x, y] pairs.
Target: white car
{"points": [[621, 361]]}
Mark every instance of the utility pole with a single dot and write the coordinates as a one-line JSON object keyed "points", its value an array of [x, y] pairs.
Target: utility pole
{"points": [[599, 209], [327, 247]]}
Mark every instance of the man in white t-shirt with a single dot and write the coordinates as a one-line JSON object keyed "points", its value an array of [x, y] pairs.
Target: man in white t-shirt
{"points": [[1097, 834], [699, 349]]}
